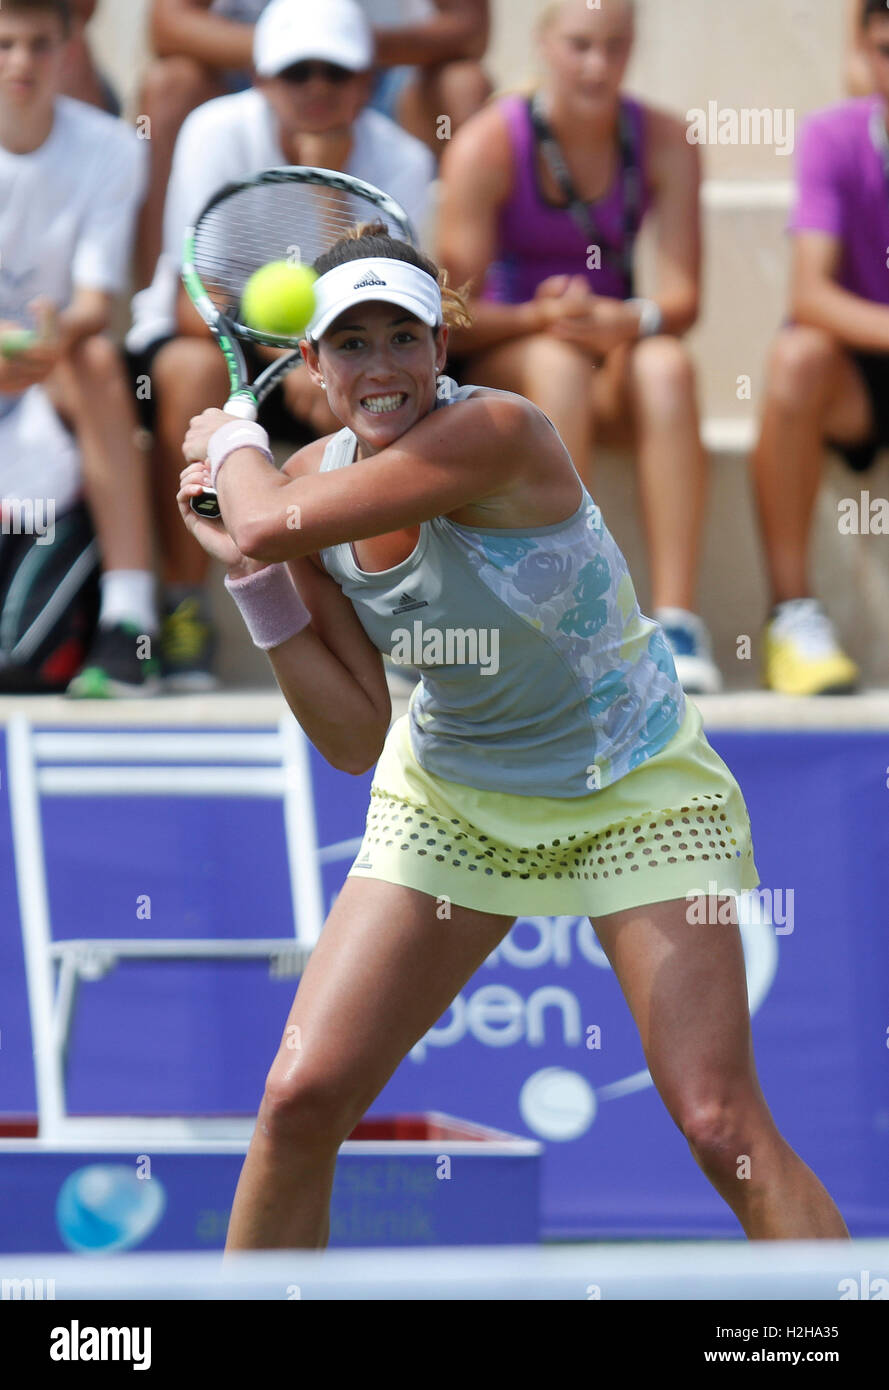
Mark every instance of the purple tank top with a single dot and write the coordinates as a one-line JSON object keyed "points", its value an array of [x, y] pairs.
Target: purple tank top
{"points": [[536, 239]]}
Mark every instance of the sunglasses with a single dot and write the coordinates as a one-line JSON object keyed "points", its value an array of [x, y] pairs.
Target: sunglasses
{"points": [[300, 73]]}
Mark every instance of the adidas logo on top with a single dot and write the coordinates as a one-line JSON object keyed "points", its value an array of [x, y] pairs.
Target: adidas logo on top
{"points": [[369, 279], [407, 602]]}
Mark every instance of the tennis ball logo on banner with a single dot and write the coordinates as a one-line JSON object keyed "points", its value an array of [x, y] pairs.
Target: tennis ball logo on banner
{"points": [[108, 1206], [561, 1102]]}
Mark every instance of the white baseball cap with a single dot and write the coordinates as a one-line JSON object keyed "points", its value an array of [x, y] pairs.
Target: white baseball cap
{"points": [[334, 31], [374, 277]]}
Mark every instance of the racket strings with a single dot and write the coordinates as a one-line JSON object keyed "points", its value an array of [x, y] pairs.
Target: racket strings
{"points": [[273, 222]]}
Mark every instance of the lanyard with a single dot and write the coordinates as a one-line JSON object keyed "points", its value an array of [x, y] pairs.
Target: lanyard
{"points": [[631, 189]]}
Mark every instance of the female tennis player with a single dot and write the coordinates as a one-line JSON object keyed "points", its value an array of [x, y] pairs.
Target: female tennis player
{"points": [[549, 762]]}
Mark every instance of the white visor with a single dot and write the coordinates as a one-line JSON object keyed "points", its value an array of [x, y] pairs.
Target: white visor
{"points": [[374, 277]]}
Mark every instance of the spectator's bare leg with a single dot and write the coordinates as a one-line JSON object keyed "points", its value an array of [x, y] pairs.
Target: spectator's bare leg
{"points": [[552, 374], [673, 473], [91, 392], [188, 375], [456, 90], [172, 88], [813, 392]]}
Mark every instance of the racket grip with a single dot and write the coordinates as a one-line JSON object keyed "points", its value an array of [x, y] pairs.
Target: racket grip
{"points": [[242, 407]]}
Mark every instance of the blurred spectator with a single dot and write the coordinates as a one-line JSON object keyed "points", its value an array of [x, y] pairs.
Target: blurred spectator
{"points": [[81, 77], [428, 56], [828, 374], [546, 193], [204, 50], [859, 81], [308, 107], [70, 181]]}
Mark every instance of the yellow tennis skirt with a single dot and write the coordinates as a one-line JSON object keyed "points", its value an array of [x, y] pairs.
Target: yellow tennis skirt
{"points": [[675, 825]]}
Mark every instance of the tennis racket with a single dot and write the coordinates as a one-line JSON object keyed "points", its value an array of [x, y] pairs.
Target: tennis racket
{"points": [[294, 213]]}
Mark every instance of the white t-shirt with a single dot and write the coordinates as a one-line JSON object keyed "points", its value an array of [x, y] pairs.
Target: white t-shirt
{"points": [[232, 137], [68, 209], [67, 212], [39, 457]]}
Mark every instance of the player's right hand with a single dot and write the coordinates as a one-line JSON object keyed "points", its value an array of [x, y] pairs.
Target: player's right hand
{"points": [[210, 534]]}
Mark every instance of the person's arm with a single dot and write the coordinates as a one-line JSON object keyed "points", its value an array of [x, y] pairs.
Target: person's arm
{"points": [[333, 677], [675, 174], [816, 298], [476, 175], [470, 451], [186, 28], [461, 29], [859, 79], [329, 671]]}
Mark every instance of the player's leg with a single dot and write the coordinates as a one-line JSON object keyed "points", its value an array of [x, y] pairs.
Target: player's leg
{"points": [[686, 987], [172, 88], [814, 391], [554, 375], [386, 967]]}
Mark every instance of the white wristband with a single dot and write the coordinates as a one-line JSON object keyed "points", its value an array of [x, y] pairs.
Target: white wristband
{"points": [[240, 434], [270, 605], [651, 318]]}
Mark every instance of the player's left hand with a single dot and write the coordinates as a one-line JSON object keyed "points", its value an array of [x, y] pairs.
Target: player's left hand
{"points": [[201, 427]]}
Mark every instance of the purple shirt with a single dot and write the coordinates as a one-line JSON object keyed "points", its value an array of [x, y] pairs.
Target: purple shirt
{"points": [[842, 190], [536, 239]]}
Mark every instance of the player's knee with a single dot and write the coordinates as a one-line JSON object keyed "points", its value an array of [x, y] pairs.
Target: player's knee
{"points": [[172, 87], [303, 1108], [719, 1130], [801, 366]]}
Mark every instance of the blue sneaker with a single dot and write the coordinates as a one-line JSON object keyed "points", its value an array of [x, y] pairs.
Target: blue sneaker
{"points": [[689, 641]]}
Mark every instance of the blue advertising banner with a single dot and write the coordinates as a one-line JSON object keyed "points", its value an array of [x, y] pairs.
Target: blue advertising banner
{"points": [[540, 1042]]}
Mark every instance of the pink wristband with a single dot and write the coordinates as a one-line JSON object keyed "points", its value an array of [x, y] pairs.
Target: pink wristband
{"points": [[270, 605], [240, 434]]}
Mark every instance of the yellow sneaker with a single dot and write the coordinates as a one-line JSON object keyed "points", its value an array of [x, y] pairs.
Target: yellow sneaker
{"points": [[802, 655]]}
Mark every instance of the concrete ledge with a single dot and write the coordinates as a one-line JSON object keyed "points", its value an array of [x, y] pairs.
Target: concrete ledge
{"points": [[745, 710]]}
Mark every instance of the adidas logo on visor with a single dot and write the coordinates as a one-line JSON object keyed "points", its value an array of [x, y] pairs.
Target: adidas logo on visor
{"points": [[369, 279]]}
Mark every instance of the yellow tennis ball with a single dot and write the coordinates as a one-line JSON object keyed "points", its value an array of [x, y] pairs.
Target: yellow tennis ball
{"points": [[279, 299]]}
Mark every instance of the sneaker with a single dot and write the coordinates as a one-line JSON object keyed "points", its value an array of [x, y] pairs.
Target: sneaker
{"points": [[113, 668], [689, 642], [802, 655], [188, 648]]}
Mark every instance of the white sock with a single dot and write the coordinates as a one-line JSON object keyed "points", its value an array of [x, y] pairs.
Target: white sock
{"points": [[129, 595]]}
